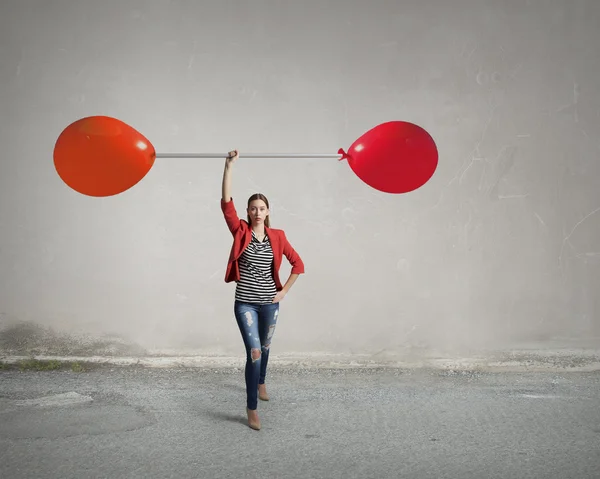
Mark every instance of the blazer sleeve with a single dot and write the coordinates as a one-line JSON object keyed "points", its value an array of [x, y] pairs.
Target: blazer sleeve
{"points": [[292, 256], [231, 217]]}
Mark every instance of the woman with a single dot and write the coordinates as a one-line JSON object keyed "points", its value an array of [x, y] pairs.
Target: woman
{"points": [[254, 262]]}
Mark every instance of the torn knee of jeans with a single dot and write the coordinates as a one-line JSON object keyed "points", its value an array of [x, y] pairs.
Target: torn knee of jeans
{"points": [[255, 354]]}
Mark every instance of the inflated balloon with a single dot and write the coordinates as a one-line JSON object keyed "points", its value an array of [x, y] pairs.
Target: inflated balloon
{"points": [[393, 157], [102, 156]]}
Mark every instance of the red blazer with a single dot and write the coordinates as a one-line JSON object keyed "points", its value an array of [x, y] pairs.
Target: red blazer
{"points": [[242, 234]]}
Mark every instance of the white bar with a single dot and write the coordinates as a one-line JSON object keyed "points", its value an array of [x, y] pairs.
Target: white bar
{"points": [[251, 155]]}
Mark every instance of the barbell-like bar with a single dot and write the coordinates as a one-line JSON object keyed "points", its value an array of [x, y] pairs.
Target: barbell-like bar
{"points": [[251, 155]]}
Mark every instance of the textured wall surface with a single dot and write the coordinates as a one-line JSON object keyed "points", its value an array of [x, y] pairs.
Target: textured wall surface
{"points": [[500, 249]]}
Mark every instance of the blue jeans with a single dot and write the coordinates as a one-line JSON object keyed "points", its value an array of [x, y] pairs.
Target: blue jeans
{"points": [[257, 325]]}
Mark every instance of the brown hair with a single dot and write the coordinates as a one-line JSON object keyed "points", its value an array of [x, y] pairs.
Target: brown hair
{"points": [[259, 196]]}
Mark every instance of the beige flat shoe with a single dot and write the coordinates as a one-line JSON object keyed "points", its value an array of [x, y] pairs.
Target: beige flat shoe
{"points": [[253, 424]]}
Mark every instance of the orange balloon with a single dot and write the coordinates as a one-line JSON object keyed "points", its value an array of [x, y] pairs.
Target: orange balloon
{"points": [[102, 156]]}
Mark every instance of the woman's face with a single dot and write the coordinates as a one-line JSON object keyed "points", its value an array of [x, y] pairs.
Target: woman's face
{"points": [[258, 211]]}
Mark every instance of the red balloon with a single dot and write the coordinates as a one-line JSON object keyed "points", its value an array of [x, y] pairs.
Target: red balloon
{"points": [[394, 157], [102, 156]]}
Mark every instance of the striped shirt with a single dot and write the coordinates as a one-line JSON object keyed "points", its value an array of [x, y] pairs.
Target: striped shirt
{"points": [[256, 284]]}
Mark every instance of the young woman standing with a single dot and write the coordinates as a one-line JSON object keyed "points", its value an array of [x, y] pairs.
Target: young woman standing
{"points": [[254, 262]]}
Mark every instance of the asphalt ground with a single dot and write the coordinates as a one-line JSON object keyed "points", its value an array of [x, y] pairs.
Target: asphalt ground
{"points": [[182, 422]]}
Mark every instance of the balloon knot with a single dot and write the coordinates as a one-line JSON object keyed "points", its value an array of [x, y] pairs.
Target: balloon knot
{"points": [[343, 153]]}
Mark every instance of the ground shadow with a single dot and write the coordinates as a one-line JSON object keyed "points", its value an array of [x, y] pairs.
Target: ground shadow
{"points": [[222, 416]]}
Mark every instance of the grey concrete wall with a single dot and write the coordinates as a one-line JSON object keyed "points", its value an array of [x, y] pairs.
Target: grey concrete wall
{"points": [[500, 249]]}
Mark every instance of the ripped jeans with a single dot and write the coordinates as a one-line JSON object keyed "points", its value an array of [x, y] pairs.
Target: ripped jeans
{"points": [[257, 325]]}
